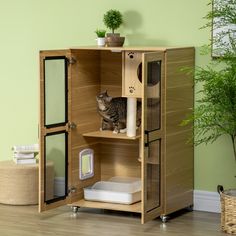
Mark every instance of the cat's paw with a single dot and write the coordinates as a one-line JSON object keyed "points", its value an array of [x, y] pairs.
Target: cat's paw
{"points": [[123, 130], [101, 129], [115, 132]]}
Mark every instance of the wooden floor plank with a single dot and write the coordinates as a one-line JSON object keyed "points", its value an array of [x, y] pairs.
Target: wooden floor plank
{"points": [[25, 220]]}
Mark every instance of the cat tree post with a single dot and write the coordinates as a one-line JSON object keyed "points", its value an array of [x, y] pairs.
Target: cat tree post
{"points": [[131, 116]]}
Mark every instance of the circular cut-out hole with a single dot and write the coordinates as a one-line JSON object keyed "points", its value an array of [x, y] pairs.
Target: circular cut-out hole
{"points": [[139, 72], [153, 73]]}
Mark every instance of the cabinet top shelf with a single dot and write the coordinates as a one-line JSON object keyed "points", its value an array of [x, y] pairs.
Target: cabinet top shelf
{"points": [[134, 48], [120, 49], [110, 134]]}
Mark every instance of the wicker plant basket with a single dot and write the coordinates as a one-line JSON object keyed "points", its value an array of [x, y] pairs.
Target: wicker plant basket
{"points": [[228, 209]]}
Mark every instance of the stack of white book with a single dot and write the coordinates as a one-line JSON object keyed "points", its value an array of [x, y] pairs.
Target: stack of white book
{"points": [[25, 154]]}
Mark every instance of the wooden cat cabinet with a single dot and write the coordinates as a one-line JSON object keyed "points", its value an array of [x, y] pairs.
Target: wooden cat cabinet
{"points": [[69, 122]]}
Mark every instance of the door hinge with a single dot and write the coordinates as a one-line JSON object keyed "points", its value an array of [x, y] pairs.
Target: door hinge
{"points": [[146, 138], [72, 190], [72, 125], [71, 60]]}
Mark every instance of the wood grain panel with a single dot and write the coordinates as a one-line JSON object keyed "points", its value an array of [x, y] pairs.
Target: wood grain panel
{"points": [[109, 134], [86, 69], [180, 182], [48, 53], [176, 55], [174, 119], [113, 91], [83, 116], [120, 159], [85, 85], [177, 202], [77, 133], [84, 96], [179, 168], [179, 98], [111, 73], [179, 162], [111, 68], [123, 48], [179, 155], [176, 77], [136, 207], [130, 78]]}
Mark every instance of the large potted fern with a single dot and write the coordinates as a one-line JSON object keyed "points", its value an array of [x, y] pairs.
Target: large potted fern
{"points": [[215, 112]]}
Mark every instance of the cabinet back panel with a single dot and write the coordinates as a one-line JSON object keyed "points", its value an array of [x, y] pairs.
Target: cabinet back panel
{"points": [[77, 134], [111, 72], [120, 159]]}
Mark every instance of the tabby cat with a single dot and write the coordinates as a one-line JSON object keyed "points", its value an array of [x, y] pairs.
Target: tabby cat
{"points": [[114, 112]]}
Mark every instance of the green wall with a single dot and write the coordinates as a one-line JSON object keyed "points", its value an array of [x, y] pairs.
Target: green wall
{"points": [[28, 26]]}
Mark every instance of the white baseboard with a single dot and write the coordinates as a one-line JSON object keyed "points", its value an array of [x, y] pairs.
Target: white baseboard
{"points": [[59, 186], [206, 201]]}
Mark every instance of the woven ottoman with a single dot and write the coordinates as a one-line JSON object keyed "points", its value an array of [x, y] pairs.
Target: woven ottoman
{"points": [[19, 184]]}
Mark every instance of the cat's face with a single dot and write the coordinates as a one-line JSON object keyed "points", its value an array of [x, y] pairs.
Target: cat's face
{"points": [[103, 99]]}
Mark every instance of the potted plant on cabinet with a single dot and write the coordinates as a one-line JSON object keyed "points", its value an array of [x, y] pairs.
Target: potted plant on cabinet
{"points": [[113, 19], [100, 37], [215, 112]]}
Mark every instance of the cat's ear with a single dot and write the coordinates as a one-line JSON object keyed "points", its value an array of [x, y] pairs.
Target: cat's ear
{"points": [[106, 92]]}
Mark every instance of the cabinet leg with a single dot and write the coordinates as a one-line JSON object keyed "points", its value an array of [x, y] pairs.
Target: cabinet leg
{"points": [[75, 209], [164, 218]]}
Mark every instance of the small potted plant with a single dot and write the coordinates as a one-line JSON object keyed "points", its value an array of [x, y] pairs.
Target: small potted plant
{"points": [[100, 37], [113, 19]]}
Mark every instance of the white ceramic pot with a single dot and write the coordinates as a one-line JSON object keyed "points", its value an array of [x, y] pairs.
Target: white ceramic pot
{"points": [[100, 41]]}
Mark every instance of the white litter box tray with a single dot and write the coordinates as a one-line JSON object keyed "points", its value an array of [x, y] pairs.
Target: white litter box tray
{"points": [[123, 190]]}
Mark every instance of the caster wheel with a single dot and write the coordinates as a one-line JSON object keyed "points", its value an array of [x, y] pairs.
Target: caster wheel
{"points": [[164, 218], [190, 208], [74, 209]]}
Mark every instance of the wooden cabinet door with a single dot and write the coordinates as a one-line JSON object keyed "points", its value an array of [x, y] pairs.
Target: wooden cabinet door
{"points": [[153, 139], [54, 129]]}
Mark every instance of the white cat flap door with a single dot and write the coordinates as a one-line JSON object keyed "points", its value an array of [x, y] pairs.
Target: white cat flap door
{"points": [[86, 164]]}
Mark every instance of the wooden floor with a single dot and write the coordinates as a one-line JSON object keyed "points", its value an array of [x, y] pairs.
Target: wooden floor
{"points": [[26, 221]]}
